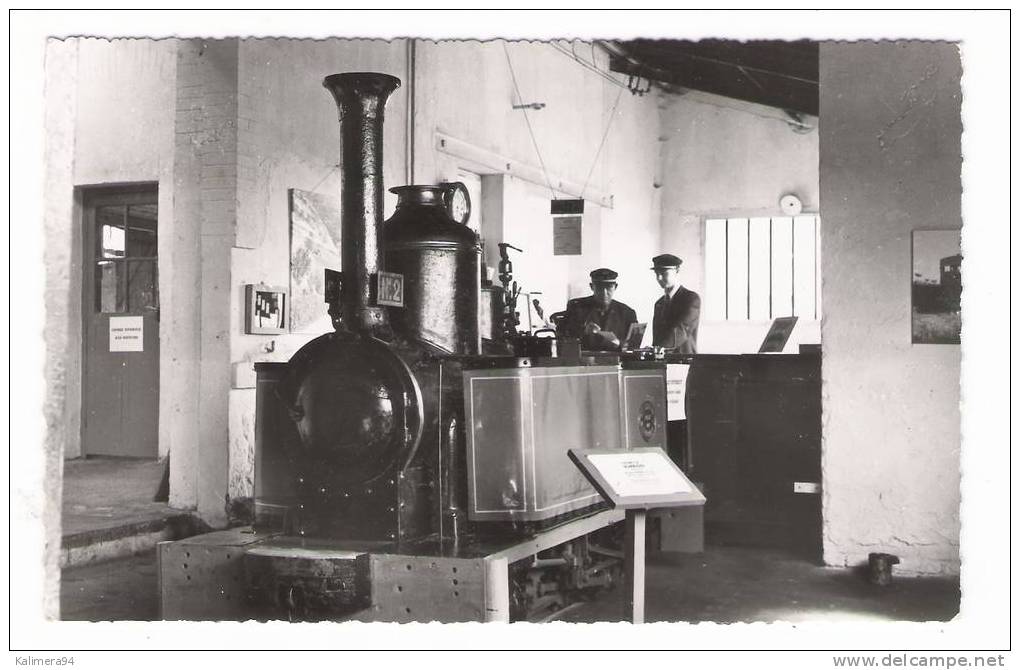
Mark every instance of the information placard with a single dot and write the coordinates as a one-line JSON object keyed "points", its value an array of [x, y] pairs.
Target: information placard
{"points": [[566, 235], [676, 390], [779, 333], [126, 333], [637, 478]]}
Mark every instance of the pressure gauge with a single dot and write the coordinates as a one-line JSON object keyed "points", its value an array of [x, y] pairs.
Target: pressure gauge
{"points": [[790, 205], [458, 202]]}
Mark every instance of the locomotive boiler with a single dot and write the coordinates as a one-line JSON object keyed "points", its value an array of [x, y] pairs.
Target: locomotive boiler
{"points": [[396, 434]]}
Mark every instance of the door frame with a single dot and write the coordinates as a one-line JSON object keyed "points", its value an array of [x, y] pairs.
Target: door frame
{"points": [[89, 197]]}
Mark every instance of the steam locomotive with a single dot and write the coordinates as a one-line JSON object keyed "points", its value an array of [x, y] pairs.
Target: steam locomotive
{"points": [[401, 432]]}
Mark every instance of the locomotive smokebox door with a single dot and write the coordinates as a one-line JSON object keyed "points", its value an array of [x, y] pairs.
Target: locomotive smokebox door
{"points": [[357, 411]]}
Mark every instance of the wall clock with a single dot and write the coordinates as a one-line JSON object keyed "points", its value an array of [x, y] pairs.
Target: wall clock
{"points": [[790, 205], [458, 202]]}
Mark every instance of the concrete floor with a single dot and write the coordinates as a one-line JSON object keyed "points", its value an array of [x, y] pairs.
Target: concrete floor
{"points": [[106, 493], [122, 589], [108, 510], [724, 584], [109, 498], [741, 584]]}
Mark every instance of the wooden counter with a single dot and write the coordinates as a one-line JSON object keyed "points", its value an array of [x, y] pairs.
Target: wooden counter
{"points": [[754, 424]]}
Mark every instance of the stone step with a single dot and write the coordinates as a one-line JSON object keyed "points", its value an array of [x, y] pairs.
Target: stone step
{"points": [[126, 539]]}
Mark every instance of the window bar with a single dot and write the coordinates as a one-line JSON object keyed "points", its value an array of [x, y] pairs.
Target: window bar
{"points": [[130, 282], [122, 268], [747, 314], [770, 268], [816, 266], [726, 264], [127, 268], [793, 266]]}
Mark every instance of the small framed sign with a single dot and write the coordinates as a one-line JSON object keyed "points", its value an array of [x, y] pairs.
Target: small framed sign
{"points": [[561, 206], [266, 309], [676, 391], [779, 332], [642, 478], [390, 289], [566, 235], [126, 333]]}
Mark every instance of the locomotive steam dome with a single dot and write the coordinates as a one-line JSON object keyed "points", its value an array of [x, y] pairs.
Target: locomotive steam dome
{"points": [[440, 260]]}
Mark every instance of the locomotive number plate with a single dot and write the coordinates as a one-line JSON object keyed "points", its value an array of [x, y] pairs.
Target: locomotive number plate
{"points": [[390, 289]]}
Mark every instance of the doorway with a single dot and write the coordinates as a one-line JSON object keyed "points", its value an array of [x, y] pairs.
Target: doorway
{"points": [[120, 312]]}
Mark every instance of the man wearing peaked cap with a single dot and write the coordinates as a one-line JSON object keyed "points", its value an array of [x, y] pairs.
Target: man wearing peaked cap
{"points": [[603, 276], [666, 261], [676, 315], [600, 322]]}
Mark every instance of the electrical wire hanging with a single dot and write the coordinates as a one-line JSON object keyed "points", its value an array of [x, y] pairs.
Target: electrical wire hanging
{"points": [[527, 121], [612, 114], [609, 124], [326, 176], [591, 67]]}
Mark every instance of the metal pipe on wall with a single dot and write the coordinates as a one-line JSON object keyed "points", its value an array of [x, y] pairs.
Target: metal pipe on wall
{"points": [[411, 72]]}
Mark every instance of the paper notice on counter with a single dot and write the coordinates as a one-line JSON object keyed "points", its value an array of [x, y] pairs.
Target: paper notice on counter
{"points": [[126, 333], [640, 473], [676, 391]]}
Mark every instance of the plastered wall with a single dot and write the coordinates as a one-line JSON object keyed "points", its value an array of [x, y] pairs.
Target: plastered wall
{"points": [[108, 120], [890, 164], [205, 180], [112, 118], [726, 158], [631, 165], [62, 404], [466, 89]]}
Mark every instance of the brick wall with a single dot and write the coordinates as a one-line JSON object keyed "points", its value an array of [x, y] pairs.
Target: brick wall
{"points": [[205, 182]]}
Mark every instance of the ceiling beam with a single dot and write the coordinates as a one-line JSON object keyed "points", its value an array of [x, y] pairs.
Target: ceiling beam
{"points": [[796, 60], [777, 74]]}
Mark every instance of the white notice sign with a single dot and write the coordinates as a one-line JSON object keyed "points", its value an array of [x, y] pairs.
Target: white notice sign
{"points": [[676, 391], [126, 333], [566, 235], [640, 473]]}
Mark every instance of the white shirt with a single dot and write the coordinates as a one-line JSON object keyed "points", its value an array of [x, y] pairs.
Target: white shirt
{"points": [[670, 291]]}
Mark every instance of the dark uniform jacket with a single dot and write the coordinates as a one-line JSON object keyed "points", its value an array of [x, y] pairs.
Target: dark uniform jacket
{"points": [[616, 319], [675, 322]]}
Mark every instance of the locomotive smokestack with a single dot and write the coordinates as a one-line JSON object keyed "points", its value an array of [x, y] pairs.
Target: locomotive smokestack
{"points": [[361, 99]]}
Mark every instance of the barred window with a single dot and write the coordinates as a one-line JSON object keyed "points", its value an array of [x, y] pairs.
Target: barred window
{"points": [[760, 268]]}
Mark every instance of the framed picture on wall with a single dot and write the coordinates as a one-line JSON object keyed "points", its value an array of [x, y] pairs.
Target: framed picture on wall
{"points": [[936, 285], [266, 309], [314, 248]]}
